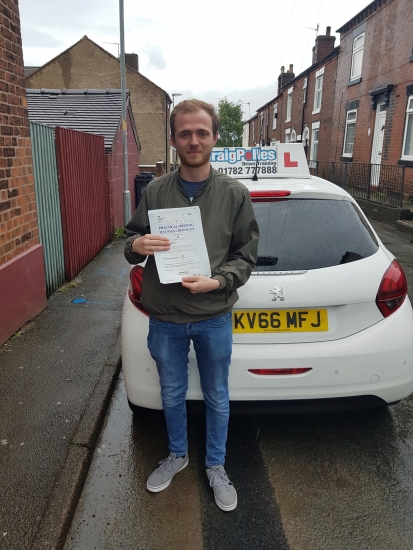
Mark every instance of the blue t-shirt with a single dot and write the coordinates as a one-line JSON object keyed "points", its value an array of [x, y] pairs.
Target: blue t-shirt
{"points": [[192, 187]]}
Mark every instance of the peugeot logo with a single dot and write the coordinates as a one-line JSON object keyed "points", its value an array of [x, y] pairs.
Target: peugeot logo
{"points": [[278, 293]]}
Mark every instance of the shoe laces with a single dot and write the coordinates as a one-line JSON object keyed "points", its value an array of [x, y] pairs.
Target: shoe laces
{"points": [[219, 478], [168, 463]]}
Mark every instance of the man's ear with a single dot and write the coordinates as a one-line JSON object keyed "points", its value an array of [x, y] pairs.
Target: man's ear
{"points": [[216, 138], [172, 140]]}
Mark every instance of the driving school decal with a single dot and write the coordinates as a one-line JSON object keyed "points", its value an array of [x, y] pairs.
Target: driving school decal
{"points": [[243, 162]]}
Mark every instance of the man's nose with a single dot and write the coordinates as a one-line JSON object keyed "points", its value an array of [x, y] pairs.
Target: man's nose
{"points": [[194, 138]]}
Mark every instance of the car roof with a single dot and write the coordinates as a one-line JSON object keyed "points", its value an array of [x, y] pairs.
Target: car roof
{"points": [[311, 187]]}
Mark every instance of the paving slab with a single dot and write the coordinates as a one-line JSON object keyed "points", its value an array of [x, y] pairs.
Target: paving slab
{"points": [[57, 375]]}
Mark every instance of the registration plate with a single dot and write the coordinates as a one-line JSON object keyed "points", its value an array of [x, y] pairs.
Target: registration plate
{"points": [[279, 320]]}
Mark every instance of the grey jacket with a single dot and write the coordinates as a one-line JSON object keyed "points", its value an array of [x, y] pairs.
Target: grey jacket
{"points": [[231, 235]]}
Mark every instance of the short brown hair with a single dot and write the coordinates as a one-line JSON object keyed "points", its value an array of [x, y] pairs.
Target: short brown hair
{"points": [[191, 106]]}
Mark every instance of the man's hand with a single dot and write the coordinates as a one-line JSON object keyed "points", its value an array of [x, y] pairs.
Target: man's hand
{"points": [[200, 284], [148, 244]]}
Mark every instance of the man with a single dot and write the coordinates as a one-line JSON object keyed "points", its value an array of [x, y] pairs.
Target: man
{"points": [[199, 308]]}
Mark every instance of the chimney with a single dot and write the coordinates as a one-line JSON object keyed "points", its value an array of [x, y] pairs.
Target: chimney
{"points": [[132, 61], [285, 77], [324, 44]]}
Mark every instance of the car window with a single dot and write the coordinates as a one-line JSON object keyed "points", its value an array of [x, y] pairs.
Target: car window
{"points": [[307, 234]]}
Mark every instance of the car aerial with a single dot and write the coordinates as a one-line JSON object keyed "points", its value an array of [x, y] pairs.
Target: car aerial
{"points": [[324, 321]]}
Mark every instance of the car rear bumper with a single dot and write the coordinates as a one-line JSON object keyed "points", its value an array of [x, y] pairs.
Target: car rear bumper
{"points": [[375, 362]]}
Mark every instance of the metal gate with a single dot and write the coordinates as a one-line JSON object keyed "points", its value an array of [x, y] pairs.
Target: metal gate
{"points": [[48, 204], [83, 196]]}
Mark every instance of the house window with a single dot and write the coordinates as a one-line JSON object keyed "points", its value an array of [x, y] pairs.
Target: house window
{"points": [[315, 128], [293, 136], [274, 118], [357, 58], [318, 92], [306, 136], [407, 150], [288, 135], [305, 90], [289, 104], [349, 133], [253, 132]]}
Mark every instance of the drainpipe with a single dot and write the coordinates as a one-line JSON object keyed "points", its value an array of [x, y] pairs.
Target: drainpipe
{"points": [[302, 114]]}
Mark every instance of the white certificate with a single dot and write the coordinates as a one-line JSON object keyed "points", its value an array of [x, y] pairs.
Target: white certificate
{"points": [[188, 255]]}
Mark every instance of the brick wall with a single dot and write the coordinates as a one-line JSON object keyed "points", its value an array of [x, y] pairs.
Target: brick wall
{"points": [[387, 52], [116, 179], [22, 280], [18, 220]]}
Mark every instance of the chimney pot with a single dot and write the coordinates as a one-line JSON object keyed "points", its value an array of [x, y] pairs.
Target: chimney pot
{"points": [[291, 69], [328, 31], [282, 69]]}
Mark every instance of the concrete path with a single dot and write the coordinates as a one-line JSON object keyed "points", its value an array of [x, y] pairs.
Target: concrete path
{"points": [[57, 377]]}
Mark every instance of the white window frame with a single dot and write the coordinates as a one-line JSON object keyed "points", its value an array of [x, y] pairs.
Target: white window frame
{"points": [[315, 129], [289, 104], [287, 135], [305, 89], [293, 138], [306, 135], [318, 90], [407, 126], [253, 132], [351, 122], [357, 50], [274, 116]]}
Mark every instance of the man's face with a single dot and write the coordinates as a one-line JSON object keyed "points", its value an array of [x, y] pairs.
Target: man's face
{"points": [[194, 139]]}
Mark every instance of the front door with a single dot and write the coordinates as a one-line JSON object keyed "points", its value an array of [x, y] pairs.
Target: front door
{"points": [[377, 144]]}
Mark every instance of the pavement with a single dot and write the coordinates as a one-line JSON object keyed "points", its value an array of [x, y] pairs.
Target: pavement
{"points": [[58, 374], [57, 377]]}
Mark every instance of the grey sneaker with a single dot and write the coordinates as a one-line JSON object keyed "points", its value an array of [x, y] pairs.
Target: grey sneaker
{"points": [[224, 492], [162, 476]]}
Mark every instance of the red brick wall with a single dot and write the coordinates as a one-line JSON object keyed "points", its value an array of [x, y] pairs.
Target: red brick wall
{"points": [[116, 180], [325, 116], [18, 219], [387, 48], [22, 281]]}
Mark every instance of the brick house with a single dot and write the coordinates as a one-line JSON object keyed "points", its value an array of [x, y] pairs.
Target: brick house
{"points": [[373, 109], [303, 109], [22, 279], [87, 65]]}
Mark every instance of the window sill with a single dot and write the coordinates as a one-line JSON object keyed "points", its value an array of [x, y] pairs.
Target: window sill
{"points": [[316, 111], [354, 81], [288, 120], [346, 158], [405, 162], [312, 164]]}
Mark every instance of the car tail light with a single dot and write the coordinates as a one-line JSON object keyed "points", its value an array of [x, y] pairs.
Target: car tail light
{"points": [[275, 372], [392, 290], [135, 288], [269, 196]]}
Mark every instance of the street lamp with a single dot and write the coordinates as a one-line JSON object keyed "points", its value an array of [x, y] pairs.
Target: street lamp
{"points": [[173, 106]]}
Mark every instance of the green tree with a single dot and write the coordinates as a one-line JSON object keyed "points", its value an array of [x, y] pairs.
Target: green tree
{"points": [[230, 127]]}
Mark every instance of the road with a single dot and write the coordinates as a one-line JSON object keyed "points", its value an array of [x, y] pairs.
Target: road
{"points": [[337, 481]]}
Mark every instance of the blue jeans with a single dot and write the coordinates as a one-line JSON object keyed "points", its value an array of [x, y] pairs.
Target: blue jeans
{"points": [[168, 344]]}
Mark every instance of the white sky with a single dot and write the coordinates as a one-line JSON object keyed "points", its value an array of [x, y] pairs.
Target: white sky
{"points": [[210, 50]]}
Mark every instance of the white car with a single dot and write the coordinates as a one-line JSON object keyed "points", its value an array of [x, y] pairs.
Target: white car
{"points": [[324, 321]]}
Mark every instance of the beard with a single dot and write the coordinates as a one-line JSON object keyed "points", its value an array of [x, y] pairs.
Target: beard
{"points": [[194, 162]]}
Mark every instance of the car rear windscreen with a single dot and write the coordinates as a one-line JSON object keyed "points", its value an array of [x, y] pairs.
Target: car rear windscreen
{"points": [[298, 234]]}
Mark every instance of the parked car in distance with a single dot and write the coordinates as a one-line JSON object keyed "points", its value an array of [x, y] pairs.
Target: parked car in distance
{"points": [[323, 323]]}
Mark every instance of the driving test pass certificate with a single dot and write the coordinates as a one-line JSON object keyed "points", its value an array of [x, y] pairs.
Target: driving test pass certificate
{"points": [[188, 255]]}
